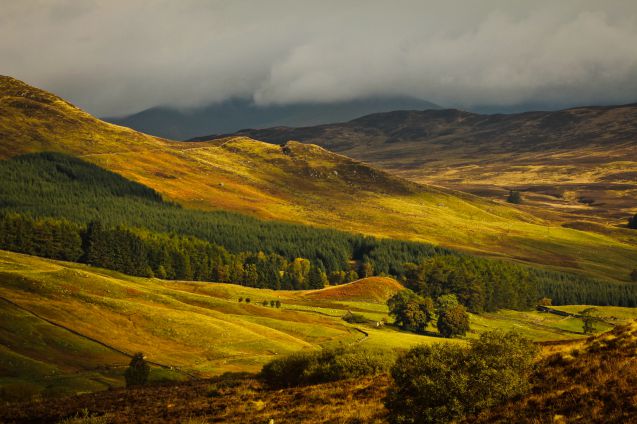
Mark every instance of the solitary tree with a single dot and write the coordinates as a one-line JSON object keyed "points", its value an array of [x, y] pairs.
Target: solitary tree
{"points": [[514, 197], [410, 311], [453, 320], [137, 372], [632, 222], [589, 319]]}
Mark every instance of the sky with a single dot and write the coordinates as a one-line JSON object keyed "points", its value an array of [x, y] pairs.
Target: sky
{"points": [[115, 57]]}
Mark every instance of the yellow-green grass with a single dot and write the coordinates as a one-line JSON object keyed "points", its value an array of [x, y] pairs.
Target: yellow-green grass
{"points": [[69, 327], [607, 313], [306, 184]]}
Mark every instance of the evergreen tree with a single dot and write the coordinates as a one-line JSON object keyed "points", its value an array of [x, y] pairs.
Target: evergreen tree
{"points": [[514, 197], [137, 372]]}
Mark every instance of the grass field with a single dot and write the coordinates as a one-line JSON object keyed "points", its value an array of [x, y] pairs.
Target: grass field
{"points": [[70, 328], [307, 184]]}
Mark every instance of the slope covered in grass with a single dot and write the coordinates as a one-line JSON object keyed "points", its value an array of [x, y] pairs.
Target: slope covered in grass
{"points": [[301, 183], [580, 162], [373, 290], [69, 328], [596, 384]]}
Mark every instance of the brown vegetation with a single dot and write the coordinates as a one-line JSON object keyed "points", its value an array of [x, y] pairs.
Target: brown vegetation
{"points": [[595, 383]]}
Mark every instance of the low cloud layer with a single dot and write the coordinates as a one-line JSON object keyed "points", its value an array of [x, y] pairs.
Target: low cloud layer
{"points": [[120, 56]]}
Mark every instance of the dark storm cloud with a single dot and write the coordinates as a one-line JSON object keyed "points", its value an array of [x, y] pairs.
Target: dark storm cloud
{"points": [[114, 57]]}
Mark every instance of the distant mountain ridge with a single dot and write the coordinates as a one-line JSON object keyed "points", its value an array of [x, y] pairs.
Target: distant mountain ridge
{"points": [[236, 114], [582, 161]]}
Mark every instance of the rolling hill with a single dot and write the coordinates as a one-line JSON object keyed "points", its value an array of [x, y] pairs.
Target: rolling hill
{"points": [[304, 184], [580, 162], [70, 328]]}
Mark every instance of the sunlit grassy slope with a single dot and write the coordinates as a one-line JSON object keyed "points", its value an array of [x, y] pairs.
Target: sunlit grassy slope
{"points": [[70, 327], [302, 183], [580, 163]]}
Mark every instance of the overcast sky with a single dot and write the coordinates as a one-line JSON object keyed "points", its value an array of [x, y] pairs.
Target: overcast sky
{"points": [[114, 57]]}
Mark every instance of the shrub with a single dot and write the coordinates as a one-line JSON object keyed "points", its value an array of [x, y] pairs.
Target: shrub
{"points": [[272, 303], [240, 299], [633, 275], [439, 383], [314, 367], [247, 300], [453, 321], [84, 417], [137, 372], [265, 303], [632, 222], [278, 303], [545, 301]]}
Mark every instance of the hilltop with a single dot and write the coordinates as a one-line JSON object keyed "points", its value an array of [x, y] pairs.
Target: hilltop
{"points": [[372, 289], [305, 184], [580, 162]]}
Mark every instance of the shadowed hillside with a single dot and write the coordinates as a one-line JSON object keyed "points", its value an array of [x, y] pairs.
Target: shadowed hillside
{"points": [[301, 183], [235, 114], [581, 162]]}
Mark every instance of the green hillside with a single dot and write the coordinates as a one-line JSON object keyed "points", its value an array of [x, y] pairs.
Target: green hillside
{"points": [[140, 234], [70, 327]]}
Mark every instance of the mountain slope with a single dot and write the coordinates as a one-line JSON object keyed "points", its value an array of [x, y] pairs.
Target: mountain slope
{"points": [[581, 162], [301, 183], [235, 114]]}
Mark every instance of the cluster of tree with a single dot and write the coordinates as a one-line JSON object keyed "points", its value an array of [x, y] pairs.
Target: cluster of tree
{"points": [[61, 186], [414, 313], [47, 237], [133, 230], [479, 284], [440, 383], [488, 285], [147, 254]]}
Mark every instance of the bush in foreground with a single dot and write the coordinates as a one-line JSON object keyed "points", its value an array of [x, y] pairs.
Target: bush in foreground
{"points": [[439, 383], [315, 367]]}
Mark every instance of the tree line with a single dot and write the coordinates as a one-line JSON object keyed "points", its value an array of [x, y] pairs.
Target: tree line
{"points": [[57, 206]]}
